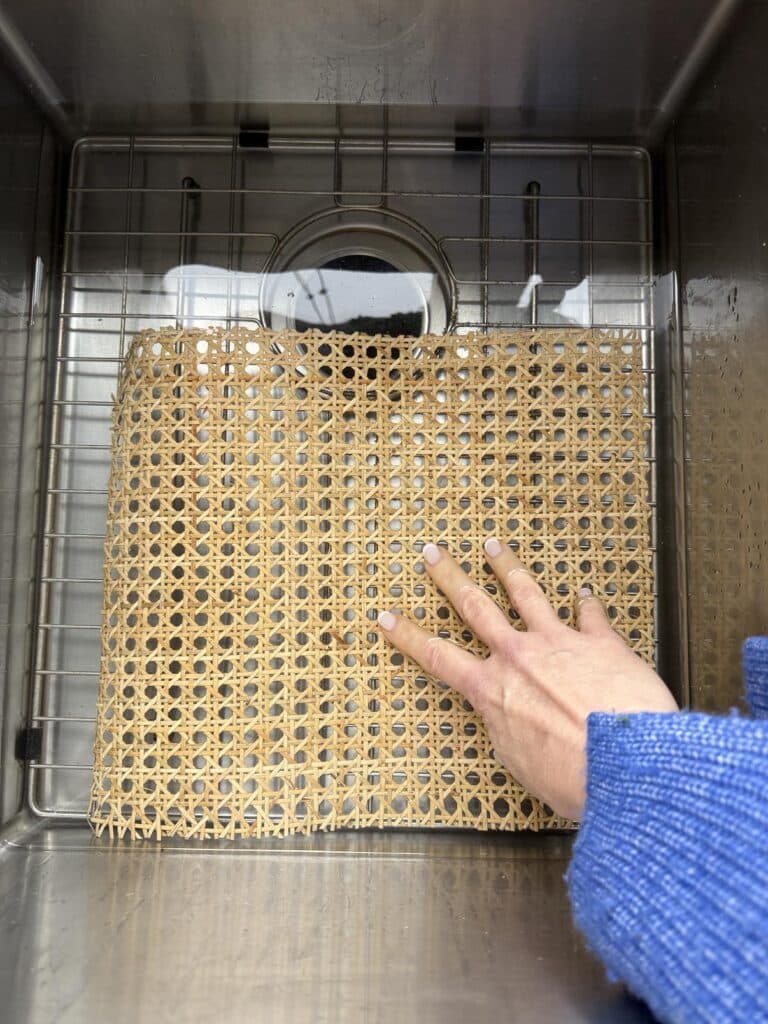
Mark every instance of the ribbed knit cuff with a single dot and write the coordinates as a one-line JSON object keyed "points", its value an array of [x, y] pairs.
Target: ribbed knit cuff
{"points": [[754, 656], [669, 878]]}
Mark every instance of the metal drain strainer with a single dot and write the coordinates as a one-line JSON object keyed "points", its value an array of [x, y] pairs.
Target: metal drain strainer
{"points": [[270, 493], [358, 270]]}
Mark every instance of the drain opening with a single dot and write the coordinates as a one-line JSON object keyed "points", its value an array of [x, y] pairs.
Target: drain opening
{"points": [[358, 271], [392, 305]]}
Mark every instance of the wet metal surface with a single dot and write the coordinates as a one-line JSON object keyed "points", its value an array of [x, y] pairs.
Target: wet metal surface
{"points": [[366, 927]]}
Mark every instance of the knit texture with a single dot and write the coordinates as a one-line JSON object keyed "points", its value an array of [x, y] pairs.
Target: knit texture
{"points": [[755, 662], [669, 878]]}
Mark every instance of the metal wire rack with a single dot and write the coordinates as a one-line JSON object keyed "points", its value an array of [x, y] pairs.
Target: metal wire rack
{"points": [[498, 218]]}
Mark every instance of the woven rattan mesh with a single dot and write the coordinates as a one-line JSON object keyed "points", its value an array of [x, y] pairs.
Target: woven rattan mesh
{"points": [[270, 493]]}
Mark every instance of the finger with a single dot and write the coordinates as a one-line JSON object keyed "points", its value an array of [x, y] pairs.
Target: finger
{"points": [[477, 609], [592, 618], [527, 597], [439, 658]]}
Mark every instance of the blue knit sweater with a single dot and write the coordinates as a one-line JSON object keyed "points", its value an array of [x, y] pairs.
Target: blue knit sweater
{"points": [[669, 877]]}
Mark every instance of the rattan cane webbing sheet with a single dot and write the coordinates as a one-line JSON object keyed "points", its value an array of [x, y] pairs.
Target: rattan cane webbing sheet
{"points": [[270, 493]]}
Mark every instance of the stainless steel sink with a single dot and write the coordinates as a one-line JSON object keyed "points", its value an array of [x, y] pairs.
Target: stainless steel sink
{"points": [[494, 165], [335, 928]]}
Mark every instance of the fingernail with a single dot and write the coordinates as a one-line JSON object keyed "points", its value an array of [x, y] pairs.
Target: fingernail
{"points": [[387, 620], [585, 591], [492, 547], [431, 553]]}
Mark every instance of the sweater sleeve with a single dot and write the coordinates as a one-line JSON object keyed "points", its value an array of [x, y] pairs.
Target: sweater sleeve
{"points": [[755, 665], [669, 877]]}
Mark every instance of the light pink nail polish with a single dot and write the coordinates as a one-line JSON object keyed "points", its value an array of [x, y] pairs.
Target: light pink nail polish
{"points": [[387, 620], [585, 591], [492, 547], [431, 553]]}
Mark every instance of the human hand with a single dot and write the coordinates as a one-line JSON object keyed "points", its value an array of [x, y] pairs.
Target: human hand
{"points": [[536, 688]]}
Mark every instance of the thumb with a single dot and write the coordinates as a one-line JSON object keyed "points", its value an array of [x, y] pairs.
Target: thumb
{"points": [[591, 614]]}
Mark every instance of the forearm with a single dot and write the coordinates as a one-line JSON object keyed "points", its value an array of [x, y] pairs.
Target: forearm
{"points": [[668, 878]]}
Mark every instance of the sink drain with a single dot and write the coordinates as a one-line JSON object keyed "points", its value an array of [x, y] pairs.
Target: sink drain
{"points": [[370, 272]]}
